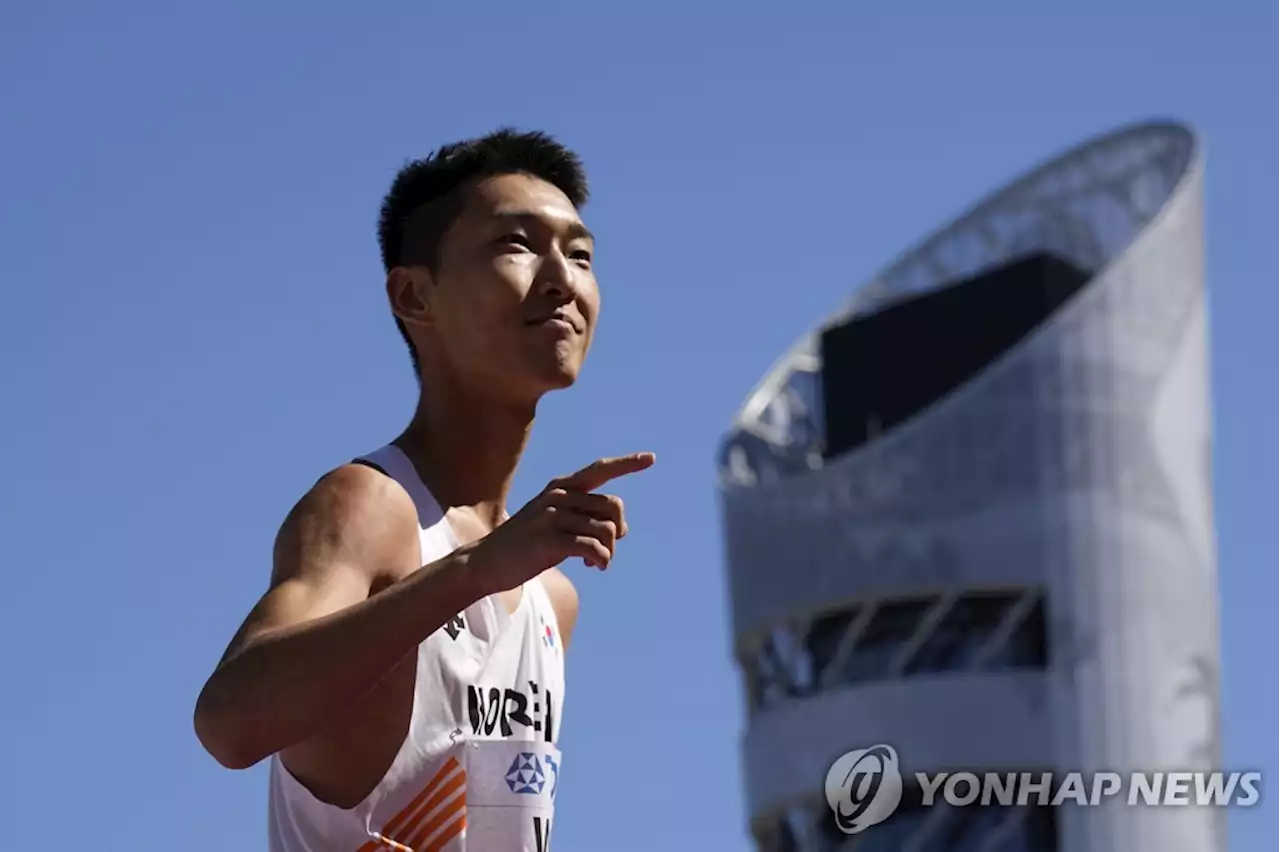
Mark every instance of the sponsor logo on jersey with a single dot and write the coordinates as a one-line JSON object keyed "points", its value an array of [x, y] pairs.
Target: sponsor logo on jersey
{"points": [[455, 626]]}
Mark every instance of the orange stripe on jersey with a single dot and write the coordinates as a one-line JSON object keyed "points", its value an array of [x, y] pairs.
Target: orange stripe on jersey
{"points": [[408, 821], [385, 844], [450, 831], [421, 827]]}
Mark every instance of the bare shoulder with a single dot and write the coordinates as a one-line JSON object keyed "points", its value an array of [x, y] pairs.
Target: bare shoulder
{"points": [[354, 515], [564, 600], [354, 531]]}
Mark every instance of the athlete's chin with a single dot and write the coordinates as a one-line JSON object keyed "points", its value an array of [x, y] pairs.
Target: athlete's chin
{"points": [[558, 372], [530, 385], [560, 378]]}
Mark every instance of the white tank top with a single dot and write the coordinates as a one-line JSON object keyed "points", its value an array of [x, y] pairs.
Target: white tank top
{"points": [[479, 767]]}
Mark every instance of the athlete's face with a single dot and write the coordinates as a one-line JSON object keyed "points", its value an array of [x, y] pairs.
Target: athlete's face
{"points": [[513, 303]]}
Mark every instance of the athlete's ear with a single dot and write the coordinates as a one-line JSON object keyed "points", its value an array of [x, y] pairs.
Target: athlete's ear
{"points": [[407, 288]]}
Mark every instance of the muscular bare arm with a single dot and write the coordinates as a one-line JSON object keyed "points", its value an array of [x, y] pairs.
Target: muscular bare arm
{"points": [[334, 621], [349, 600]]}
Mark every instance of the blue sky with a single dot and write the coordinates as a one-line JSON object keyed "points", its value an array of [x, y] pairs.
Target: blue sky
{"points": [[195, 330]]}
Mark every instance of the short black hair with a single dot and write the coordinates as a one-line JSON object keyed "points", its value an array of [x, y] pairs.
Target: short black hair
{"points": [[425, 198]]}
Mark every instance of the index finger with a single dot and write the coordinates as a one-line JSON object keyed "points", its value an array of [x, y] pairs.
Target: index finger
{"points": [[601, 471]]}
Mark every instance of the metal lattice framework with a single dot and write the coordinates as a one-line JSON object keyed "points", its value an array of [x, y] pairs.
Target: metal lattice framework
{"points": [[1043, 530], [1086, 206], [894, 638]]}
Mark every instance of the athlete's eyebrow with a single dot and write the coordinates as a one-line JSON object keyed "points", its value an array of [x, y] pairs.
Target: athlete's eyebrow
{"points": [[573, 230]]}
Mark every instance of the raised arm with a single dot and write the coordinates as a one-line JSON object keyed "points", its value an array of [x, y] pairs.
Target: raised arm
{"points": [[334, 621]]}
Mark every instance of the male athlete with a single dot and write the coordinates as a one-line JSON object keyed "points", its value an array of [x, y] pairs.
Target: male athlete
{"points": [[405, 670]]}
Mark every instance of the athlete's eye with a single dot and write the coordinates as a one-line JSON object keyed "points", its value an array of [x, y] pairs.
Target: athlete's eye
{"points": [[515, 239], [580, 255]]}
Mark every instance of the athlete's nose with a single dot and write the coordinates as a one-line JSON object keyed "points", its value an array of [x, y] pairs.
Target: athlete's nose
{"points": [[556, 278]]}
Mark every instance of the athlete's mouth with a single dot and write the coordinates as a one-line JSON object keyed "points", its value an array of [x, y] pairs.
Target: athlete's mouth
{"points": [[559, 318]]}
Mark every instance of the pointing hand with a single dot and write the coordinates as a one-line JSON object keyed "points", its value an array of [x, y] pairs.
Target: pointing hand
{"points": [[566, 519]]}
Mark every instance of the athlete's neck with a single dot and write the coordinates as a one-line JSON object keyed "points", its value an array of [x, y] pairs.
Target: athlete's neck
{"points": [[466, 446]]}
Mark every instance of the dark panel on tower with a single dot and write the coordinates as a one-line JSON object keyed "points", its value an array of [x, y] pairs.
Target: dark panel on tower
{"points": [[879, 370]]}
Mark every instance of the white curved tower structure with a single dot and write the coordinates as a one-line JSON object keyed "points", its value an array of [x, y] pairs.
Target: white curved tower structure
{"points": [[1005, 559]]}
